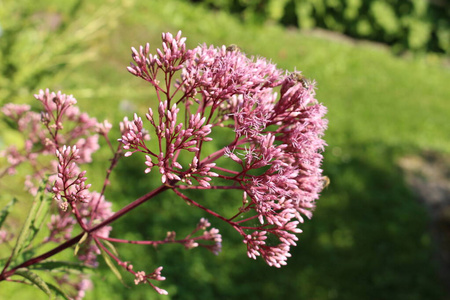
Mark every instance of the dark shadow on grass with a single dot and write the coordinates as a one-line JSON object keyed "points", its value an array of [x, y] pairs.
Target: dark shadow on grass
{"points": [[368, 239]]}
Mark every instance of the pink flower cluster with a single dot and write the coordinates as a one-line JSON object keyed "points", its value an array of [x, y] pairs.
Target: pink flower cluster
{"points": [[70, 185], [275, 149], [267, 128], [211, 235], [60, 123], [141, 277], [61, 129]]}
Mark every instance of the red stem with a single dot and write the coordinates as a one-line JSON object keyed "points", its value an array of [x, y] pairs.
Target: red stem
{"points": [[212, 187], [161, 242], [187, 199], [5, 274]]}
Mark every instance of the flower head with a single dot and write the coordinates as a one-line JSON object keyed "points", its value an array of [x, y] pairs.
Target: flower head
{"points": [[274, 149]]}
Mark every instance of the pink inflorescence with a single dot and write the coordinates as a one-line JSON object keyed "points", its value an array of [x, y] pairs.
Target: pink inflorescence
{"points": [[274, 151], [70, 187], [267, 128], [60, 123], [69, 137]]}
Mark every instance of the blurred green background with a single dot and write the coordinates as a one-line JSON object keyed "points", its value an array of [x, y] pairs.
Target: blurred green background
{"points": [[370, 237]]}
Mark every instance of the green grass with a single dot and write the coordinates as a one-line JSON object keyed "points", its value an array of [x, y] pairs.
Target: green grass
{"points": [[368, 238]]}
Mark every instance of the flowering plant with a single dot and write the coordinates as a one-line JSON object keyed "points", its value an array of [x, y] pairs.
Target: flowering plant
{"points": [[273, 157]]}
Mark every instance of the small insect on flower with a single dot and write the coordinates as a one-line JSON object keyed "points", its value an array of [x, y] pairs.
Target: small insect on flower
{"points": [[297, 76], [325, 181], [233, 48]]}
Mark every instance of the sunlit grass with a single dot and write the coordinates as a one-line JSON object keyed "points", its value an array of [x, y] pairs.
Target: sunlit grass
{"points": [[368, 238]]}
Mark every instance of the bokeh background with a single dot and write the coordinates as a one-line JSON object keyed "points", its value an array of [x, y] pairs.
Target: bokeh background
{"points": [[381, 228]]}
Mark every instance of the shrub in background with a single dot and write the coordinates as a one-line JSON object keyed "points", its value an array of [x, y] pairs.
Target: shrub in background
{"points": [[418, 25]]}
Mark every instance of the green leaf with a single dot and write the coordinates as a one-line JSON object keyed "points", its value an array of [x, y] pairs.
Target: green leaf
{"points": [[61, 266], [35, 280], [111, 247], [304, 12], [43, 209], [5, 211], [111, 265], [33, 223], [385, 16], [58, 291], [81, 241], [3, 261], [276, 9]]}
